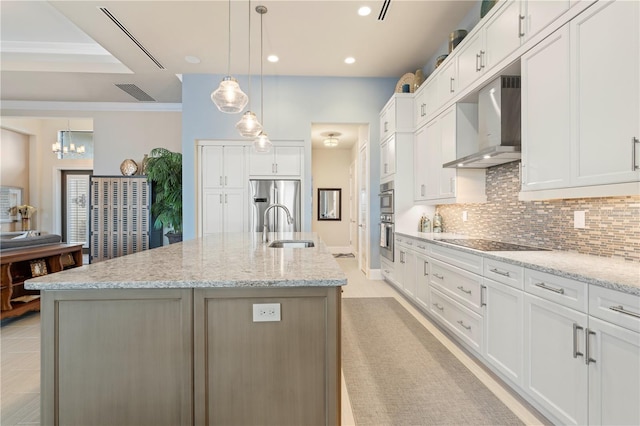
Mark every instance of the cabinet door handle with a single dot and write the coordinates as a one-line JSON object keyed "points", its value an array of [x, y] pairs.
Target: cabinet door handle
{"points": [[576, 327], [273, 168], [477, 62], [464, 290], [225, 199], [496, 271], [438, 276], [276, 167], [422, 190], [451, 79], [587, 351], [468, 327], [385, 127], [220, 180], [634, 165], [546, 287], [220, 198], [441, 308], [225, 181], [624, 311], [483, 290], [482, 52], [520, 26], [452, 185], [424, 268]]}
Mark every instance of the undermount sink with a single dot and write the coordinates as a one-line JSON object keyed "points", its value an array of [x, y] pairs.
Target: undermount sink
{"points": [[291, 244]]}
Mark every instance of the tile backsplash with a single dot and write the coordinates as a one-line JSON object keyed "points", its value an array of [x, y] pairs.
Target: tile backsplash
{"points": [[612, 223]]}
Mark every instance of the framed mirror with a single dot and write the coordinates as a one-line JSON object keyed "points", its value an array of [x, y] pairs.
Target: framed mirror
{"points": [[329, 203]]}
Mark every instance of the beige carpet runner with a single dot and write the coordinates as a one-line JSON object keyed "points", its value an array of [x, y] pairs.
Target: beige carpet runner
{"points": [[397, 373]]}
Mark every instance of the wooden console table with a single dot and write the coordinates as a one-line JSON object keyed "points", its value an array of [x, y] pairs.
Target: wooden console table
{"points": [[21, 264]]}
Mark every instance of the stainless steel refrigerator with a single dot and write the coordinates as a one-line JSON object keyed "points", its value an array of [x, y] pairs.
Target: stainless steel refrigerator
{"points": [[263, 193]]}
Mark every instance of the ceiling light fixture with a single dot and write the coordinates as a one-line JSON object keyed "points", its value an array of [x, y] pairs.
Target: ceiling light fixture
{"points": [[364, 11], [272, 58], [331, 141], [61, 150], [228, 97], [350, 60], [249, 126], [262, 142]]}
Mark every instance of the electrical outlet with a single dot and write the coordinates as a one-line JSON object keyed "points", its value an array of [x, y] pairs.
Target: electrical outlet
{"points": [[464, 216], [266, 312], [579, 219]]}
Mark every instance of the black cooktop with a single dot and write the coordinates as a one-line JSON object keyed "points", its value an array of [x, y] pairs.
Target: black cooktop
{"points": [[489, 245]]}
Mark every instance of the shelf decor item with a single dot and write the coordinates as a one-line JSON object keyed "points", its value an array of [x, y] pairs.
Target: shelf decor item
{"points": [[38, 268], [455, 38], [486, 6], [128, 167]]}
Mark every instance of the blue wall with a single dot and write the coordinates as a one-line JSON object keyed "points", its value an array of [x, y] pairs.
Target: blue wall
{"points": [[291, 105]]}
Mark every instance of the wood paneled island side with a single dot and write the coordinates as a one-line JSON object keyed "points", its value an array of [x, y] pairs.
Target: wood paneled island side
{"points": [[167, 336]]}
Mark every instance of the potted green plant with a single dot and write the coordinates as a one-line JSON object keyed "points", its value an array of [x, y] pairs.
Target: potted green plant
{"points": [[164, 168]]}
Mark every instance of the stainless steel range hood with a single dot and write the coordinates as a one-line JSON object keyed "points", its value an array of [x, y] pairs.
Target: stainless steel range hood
{"points": [[499, 138]]}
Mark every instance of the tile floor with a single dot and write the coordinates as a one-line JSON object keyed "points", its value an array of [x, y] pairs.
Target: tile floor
{"points": [[20, 360]]}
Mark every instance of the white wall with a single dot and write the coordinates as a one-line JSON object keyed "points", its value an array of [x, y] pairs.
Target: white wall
{"points": [[14, 167], [330, 169], [118, 135]]}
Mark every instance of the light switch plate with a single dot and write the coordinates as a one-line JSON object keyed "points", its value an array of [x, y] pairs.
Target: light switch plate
{"points": [[579, 219], [266, 312]]}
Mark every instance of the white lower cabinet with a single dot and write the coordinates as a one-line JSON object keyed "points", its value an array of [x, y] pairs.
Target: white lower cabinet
{"points": [[406, 266], [614, 374], [555, 374], [422, 280], [503, 329], [224, 211], [461, 321]]}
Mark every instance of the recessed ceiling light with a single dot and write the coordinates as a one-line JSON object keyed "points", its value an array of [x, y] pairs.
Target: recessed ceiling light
{"points": [[364, 11], [350, 60], [192, 59], [273, 58]]}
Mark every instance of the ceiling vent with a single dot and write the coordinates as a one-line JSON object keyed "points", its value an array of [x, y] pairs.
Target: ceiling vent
{"points": [[383, 11], [133, 39], [136, 92]]}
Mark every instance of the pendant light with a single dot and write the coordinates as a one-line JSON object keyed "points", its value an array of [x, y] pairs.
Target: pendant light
{"points": [[249, 126], [331, 141], [228, 97], [262, 142]]}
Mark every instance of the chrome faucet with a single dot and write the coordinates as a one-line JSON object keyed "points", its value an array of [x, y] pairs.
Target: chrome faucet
{"points": [[265, 227]]}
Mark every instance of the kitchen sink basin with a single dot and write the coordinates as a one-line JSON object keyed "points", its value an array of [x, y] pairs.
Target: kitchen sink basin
{"points": [[291, 244]]}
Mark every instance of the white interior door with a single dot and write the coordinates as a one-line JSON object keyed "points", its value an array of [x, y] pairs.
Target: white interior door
{"points": [[76, 207], [363, 211], [353, 207]]}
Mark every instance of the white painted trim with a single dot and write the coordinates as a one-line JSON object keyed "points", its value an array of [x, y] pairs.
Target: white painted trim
{"points": [[620, 189], [54, 48], [90, 106], [375, 274]]}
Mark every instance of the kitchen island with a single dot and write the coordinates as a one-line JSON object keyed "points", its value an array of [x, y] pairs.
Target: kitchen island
{"points": [[174, 336]]}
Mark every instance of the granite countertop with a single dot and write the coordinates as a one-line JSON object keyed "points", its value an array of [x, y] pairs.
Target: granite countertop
{"points": [[606, 272], [222, 260]]}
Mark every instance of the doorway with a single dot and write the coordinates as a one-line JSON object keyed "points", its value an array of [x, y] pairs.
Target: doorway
{"points": [[75, 207]]}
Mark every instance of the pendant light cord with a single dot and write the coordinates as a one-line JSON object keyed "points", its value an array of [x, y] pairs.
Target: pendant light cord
{"points": [[249, 71], [261, 75], [229, 39]]}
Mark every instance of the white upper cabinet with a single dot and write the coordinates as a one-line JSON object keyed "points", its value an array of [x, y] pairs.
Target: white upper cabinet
{"points": [[280, 161], [425, 101], [388, 157], [546, 113], [606, 89], [225, 167], [447, 82], [503, 34], [396, 118], [469, 59], [537, 14]]}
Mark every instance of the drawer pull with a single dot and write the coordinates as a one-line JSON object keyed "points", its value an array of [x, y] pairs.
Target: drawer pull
{"points": [[576, 327], [587, 357], [422, 247], [497, 271], [546, 287], [409, 243], [468, 327], [438, 307], [482, 296], [462, 289], [438, 276], [624, 311]]}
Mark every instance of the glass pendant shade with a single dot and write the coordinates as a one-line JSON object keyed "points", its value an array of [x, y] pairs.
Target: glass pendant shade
{"points": [[228, 97], [262, 143], [249, 126]]}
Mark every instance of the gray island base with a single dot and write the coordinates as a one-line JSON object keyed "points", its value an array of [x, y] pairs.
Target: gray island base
{"points": [[187, 349]]}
